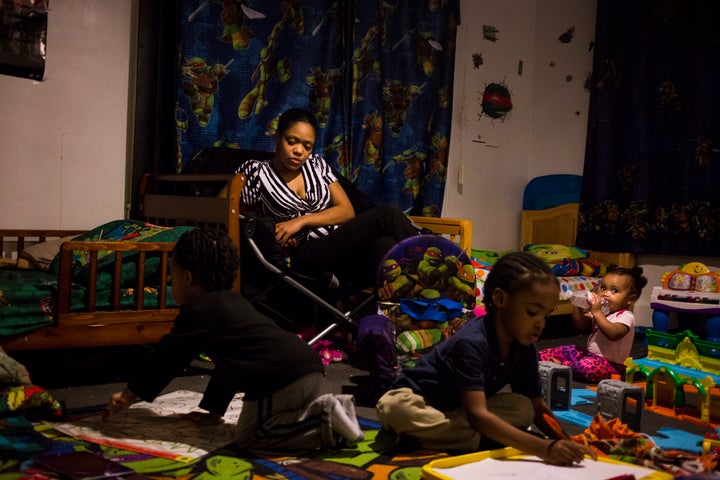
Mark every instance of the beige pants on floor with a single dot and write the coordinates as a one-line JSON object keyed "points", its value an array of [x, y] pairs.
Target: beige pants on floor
{"points": [[405, 412]]}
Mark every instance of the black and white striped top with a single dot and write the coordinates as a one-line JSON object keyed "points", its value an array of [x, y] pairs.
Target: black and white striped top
{"points": [[267, 192]]}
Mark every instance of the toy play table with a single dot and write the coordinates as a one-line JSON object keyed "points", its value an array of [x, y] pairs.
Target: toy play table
{"points": [[665, 301]]}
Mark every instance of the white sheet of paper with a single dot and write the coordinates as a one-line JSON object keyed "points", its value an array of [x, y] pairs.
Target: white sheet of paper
{"points": [[533, 467], [157, 428]]}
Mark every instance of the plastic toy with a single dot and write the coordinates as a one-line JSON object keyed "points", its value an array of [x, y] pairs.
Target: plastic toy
{"points": [[692, 276], [690, 289], [682, 361]]}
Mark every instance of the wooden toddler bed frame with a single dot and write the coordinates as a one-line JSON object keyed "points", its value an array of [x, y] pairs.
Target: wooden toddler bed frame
{"points": [[164, 200], [558, 225], [457, 230]]}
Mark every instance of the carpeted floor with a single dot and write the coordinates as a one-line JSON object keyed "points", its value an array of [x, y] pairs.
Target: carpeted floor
{"points": [[376, 457], [85, 379]]}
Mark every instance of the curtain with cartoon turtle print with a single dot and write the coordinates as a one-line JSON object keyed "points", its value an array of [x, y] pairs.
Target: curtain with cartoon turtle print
{"points": [[377, 74], [652, 165]]}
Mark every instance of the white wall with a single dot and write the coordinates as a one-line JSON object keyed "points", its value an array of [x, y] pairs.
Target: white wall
{"points": [[544, 132], [65, 138], [64, 151]]}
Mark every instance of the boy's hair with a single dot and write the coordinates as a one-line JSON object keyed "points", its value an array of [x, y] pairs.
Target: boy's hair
{"points": [[210, 256], [295, 115], [636, 275], [516, 271]]}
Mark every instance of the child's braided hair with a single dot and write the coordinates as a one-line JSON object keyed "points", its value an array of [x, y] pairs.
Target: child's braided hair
{"points": [[210, 256], [515, 271]]}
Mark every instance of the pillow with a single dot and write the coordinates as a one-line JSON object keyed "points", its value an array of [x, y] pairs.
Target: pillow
{"points": [[568, 285], [115, 231], [551, 252], [42, 254], [484, 257], [481, 274], [122, 231], [591, 268], [568, 267]]}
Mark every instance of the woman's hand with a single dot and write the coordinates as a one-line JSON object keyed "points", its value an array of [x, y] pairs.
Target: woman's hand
{"points": [[285, 232]]}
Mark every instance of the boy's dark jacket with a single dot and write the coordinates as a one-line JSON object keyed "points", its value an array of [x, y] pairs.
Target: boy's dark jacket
{"points": [[251, 354]]}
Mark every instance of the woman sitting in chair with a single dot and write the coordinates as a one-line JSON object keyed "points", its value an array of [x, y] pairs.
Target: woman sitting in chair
{"points": [[315, 220]]}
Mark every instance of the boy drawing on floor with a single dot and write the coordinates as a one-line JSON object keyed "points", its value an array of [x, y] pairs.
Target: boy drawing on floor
{"points": [[282, 378], [457, 396], [611, 324]]}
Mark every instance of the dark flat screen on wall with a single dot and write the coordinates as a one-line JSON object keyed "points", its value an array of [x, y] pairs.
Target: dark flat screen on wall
{"points": [[23, 34]]}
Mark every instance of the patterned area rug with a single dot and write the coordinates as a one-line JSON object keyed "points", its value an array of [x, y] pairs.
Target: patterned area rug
{"points": [[375, 458], [153, 441]]}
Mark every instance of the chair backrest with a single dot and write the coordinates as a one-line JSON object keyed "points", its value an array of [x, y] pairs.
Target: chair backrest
{"points": [[222, 159], [549, 191], [218, 160]]}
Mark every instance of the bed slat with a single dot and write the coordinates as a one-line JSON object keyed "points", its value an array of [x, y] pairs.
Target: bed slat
{"points": [[116, 281], [92, 248], [140, 285], [92, 283]]}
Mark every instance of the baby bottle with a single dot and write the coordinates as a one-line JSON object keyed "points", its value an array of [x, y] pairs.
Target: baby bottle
{"points": [[581, 299]]}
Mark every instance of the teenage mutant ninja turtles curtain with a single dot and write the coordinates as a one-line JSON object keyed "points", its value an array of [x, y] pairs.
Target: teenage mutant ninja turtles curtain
{"points": [[377, 74], [652, 164]]}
